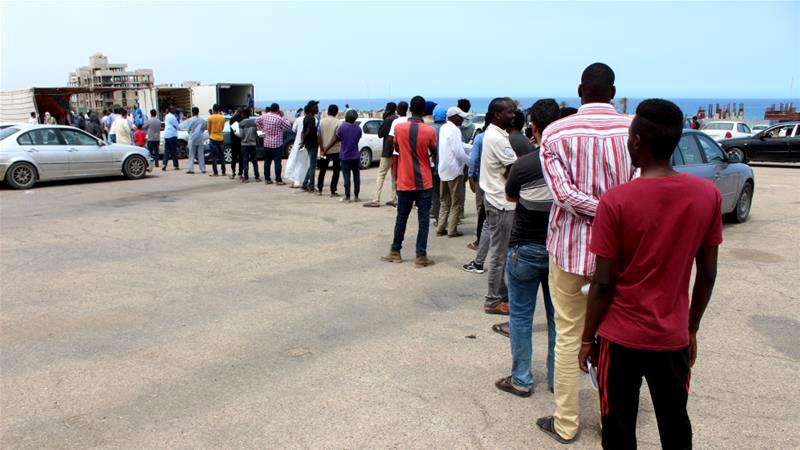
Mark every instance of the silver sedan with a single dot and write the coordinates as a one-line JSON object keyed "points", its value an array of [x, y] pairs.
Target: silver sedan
{"points": [[33, 153]]}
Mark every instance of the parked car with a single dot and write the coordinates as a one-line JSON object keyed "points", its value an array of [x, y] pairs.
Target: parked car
{"points": [[726, 129], [370, 145], [760, 127], [779, 143], [33, 153], [699, 155]]}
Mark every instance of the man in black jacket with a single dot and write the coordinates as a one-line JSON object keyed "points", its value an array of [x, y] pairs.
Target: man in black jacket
{"points": [[385, 168]]}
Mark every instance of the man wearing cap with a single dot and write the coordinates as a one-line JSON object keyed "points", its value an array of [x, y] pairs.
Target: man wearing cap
{"points": [[272, 125], [452, 159], [311, 143]]}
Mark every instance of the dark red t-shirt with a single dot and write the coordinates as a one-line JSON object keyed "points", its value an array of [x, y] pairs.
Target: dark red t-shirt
{"points": [[412, 164], [652, 229], [140, 137]]}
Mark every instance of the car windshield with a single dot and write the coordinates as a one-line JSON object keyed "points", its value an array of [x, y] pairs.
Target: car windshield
{"points": [[6, 132], [718, 126]]}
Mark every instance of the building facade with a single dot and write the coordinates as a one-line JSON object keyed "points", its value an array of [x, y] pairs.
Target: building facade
{"points": [[99, 73]]}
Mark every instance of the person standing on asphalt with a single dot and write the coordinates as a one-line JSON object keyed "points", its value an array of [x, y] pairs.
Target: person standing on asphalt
{"points": [[414, 143], [349, 134], [272, 125], [153, 128], [452, 159], [385, 167], [216, 140], [467, 127], [93, 127], [112, 117], [527, 260], [639, 321], [249, 132], [578, 174], [311, 144], [481, 243], [236, 146], [195, 126], [519, 142], [439, 119], [330, 152], [122, 128], [171, 125], [496, 160]]}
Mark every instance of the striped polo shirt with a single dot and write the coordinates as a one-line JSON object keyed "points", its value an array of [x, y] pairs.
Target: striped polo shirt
{"points": [[412, 165]]}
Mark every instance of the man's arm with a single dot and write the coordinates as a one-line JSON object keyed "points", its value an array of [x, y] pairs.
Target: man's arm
{"points": [[706, 263], [559, 178], [601, 292]]}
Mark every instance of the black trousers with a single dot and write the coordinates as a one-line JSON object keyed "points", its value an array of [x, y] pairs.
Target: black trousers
{"points": [[322, 165], [619, 373], [236, 156], [481, 219]]}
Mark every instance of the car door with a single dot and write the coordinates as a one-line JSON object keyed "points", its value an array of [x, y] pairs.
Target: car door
{"points": [[86, 157], [772, 144], [794, 145], [726, 179], [46, 148], [371, 138]]}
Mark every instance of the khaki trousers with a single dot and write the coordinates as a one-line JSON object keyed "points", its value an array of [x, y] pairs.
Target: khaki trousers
{"points": [[384, 170], [570, 313], [449, 208]]}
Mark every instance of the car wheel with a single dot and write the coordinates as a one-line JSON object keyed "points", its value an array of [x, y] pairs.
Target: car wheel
{"points": [[21, 176], [135, 167], [365, 158], [742, 210], [183, 150], [738, 152], [228, 154]]}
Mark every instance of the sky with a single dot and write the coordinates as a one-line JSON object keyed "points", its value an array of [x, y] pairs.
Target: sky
{"points": [[295, 50]]}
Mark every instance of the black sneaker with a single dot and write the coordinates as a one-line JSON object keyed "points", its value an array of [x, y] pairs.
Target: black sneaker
{"points": [[267, 181], [473, 267]]}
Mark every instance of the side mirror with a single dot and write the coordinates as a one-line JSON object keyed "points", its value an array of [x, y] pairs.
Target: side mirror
{"points": [[101, 143], [733, 158]]}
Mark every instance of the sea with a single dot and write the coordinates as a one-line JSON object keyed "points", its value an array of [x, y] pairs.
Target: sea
{"points": [[754, 108]]}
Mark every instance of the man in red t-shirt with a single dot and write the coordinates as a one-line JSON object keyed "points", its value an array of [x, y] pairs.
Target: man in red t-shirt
{"points": [[646, 235], [414, 148]]}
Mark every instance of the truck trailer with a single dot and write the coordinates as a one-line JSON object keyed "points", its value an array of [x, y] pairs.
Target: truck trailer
{"points": [[228, 96], [16, 106], [162, 97]]}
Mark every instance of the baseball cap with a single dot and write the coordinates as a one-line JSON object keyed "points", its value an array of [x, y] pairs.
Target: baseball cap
{"points": [[456, 111]]}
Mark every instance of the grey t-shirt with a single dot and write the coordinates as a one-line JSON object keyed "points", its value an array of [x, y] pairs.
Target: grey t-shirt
{"points": [[520, 143], [153, 128]]}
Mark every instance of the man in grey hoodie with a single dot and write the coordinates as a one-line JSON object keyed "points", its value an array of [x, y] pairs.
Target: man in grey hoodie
{"points": [[248, 130]]}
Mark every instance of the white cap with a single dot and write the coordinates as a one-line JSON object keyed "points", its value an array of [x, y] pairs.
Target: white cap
{"points": [[456, 111]]}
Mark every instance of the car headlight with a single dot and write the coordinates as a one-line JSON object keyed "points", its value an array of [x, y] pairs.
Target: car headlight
{"points": [[205, 142]]}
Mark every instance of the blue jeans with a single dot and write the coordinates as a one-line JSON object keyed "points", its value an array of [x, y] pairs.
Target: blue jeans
{"points": [[217, 155], [112, 138], [270, 155], [308, 182], [249, 156], [526, 267], [405, 202], [153, 147], [171, 151]]}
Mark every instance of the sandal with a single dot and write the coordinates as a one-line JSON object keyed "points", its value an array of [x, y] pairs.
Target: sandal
{"points": [[501, 328], [507, 385], [548, 425]]}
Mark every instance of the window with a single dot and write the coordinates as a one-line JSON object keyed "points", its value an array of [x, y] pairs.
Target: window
{"points": [[743, 128], [713, 153], [42, 136], [689, 151], [74, 137], [719, 126], [780, 131], [6, 132], [372, 126]]}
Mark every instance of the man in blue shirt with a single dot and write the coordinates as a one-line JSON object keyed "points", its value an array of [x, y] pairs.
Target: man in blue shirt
{"points": [[171, 139], [195, 126], [481, 243]]}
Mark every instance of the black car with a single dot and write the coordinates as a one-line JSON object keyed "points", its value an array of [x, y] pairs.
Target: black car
{"points": [[778, 143]]}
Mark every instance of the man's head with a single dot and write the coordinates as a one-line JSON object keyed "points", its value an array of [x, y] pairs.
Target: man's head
{"points": [[246, 112], [391, 108], [274, 107], [47, 114], [694, 118], [519, 121], [655, 131], [464, 104], [567, 111], [333, 110], [33, 115], [417, 106], [351, 116], [429, 106], [597, 84], [195, 111], [215, 108], [402, 108], [312, 107], [153, 113], [456, 115], [502, 111], [124, 113], [172, 109], [541, 114]]}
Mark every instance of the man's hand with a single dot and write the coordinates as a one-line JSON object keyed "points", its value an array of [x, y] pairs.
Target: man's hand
{"points": [[692, 349], [472, 184], [586, 351]]}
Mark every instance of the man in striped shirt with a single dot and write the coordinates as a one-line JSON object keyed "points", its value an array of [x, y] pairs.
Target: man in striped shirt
{"points": [[583, 156]]}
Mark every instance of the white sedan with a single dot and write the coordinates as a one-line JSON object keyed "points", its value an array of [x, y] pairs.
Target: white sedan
{"points": [[726, 129], [32, 153]]}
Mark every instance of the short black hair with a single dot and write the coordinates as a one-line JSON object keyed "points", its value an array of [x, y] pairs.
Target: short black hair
{"points": [[33, 114], [246, 112], [417, 105], [402, 107], [274, 107], [543, 113], [567, 111], [597, 82], [333, 110], [195, 111], [391, 107], [215, 108], [659, 124], [153, 112], [464, 104], [495, 105], [351, 116], [519, 120]]}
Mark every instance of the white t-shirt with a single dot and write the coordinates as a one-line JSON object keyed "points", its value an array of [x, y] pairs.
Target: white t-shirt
{"points": [[400, 119], [32, 120], [496, 156]]}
